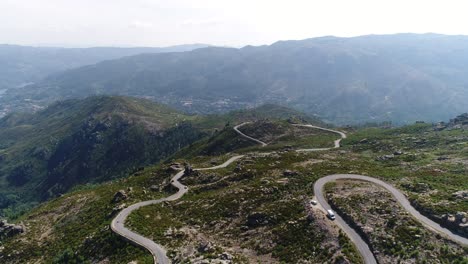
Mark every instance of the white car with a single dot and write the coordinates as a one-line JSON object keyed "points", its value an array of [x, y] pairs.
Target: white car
{"points": [[330, 214], [313, 202]]}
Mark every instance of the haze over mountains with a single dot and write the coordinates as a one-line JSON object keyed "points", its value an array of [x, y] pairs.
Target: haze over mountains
{"points": [[20, 65], [400, 78]]}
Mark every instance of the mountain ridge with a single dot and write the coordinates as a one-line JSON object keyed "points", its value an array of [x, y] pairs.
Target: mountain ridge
{"points": [[399, 78]]}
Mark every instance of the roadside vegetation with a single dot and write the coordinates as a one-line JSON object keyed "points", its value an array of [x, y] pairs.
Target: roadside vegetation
{"points": [[257, 209]]}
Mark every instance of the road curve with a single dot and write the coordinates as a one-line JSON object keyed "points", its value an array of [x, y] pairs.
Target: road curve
{"points": [[361, 245], [236, 128], [158, 252], [400, 197], [337, 143]]}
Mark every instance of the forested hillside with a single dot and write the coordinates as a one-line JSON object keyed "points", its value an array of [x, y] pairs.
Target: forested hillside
{"points": [[75, 142]]}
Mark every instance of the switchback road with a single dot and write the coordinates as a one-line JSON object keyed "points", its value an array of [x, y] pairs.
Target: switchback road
{"points": [[158, 252]]}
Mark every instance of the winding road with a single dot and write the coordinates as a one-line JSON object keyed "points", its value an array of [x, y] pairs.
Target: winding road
{"points": [[158, 252], [236, 128], [361, 245], [336, 142]]}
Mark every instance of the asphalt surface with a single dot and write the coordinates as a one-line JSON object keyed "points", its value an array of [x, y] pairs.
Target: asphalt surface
{"points": [[400, 197], [361, 245], [336, 142], [236, 128], [158, 252]]}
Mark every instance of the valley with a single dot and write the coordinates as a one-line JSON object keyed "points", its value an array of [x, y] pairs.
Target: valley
{"points": [[233, 132]]}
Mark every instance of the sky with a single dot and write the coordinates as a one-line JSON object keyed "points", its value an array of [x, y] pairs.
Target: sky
{"points": [[159, 23]]}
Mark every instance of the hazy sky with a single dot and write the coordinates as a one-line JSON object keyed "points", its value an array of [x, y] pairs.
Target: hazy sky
{"points": [[231, 23]]}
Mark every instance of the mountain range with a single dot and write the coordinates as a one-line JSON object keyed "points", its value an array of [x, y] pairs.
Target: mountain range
{"points": [[22, 65], [400, 78]]}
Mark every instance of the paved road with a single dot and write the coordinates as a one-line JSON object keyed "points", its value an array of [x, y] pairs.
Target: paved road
{"points": [[336, 142], [158, 252], [361, 245], [400, 197], [236, 128]]}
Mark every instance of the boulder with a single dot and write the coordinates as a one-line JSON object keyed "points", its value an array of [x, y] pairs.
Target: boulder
{"points": [[119, 196]]}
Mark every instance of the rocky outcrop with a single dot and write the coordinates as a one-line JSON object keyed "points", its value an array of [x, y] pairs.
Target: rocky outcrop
{"points": [[461, 195], [119, 196], [456, 222], [174, 167], [9, 230]]}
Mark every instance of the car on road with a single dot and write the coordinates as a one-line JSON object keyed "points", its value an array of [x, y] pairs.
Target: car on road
{"points": [[331, 214], [313, 202]]}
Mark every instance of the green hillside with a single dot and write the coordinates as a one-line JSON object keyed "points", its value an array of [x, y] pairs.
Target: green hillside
{"points": [[258, 209], [74, 142]]}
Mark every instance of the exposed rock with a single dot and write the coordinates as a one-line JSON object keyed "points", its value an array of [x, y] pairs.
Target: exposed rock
{"points": [[457, 222], [188, 170], [461, 120], [9, 230], [119, 196], [174, 167], [225, 256], [206, 246], [461, 194]]}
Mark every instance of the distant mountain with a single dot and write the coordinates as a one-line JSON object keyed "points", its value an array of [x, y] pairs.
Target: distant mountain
{"points": [[20, 65], [400, 78], [76, 142]]}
